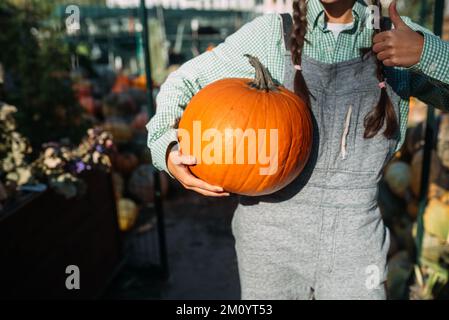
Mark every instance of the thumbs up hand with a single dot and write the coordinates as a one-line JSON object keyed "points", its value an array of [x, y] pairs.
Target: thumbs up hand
{"points": [[400, 47]]}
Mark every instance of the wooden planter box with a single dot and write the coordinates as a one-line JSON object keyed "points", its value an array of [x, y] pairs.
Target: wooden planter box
{"points": [[47, 233]]}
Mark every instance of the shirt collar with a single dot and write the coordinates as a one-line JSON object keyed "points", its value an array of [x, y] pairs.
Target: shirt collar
{"points": [[315, 15]]}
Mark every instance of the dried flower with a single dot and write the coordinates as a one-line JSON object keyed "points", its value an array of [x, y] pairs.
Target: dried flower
{"points": [[52, 162], [49, 152], [6, 111], [80, 166]]}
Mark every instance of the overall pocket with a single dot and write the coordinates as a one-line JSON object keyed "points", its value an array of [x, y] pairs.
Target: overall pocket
{"points": [[355, 153], [362, 242]]}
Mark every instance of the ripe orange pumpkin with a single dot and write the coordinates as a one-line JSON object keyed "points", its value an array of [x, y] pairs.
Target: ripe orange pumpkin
{"points": [[249, 137], [122, 83]]}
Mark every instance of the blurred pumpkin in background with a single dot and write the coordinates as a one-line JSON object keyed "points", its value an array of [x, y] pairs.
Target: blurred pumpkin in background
{"points": [[417, 112], [139, 82], [122, 83], [141, 184], [82, 88], [398, 177], [120, 105], [120, 130], [127, 211], [89, 104], [436, 219], [140, 121], [124, 162], [436, 191]]}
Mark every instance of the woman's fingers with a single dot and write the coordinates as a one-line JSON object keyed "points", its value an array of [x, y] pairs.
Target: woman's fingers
{"points": [[381, 37], [389, 63], [205, 192], [194, 182], [190, 182], [386, 54], [178, 166], [381, 46], [210, 193]]}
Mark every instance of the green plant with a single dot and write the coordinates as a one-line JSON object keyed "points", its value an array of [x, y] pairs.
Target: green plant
{"points": [[37, 65], [429, 280]]}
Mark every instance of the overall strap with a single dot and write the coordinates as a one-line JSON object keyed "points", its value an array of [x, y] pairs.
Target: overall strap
{"points": [[287, 24]]}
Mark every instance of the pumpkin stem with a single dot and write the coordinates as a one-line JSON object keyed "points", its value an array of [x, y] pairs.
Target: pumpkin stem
{"points": [[263, 79]]}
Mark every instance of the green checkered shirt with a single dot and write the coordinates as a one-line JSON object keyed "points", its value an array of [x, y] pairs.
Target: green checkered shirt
{"points": [[262, 37]]}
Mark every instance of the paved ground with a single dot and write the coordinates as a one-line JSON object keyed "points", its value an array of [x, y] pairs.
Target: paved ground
{"points": [[201, 253], [201, 249]]}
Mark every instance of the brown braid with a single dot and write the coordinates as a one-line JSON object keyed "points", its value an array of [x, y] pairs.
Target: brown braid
{"points": [[384, 111], [298, 37]]}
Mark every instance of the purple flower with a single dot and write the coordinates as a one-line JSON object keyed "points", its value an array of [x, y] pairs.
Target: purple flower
{"points": [[99, 148], [80, 166]]}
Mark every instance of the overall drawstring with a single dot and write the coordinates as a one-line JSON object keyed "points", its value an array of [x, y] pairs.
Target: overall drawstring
{"points": [[345, 133]]}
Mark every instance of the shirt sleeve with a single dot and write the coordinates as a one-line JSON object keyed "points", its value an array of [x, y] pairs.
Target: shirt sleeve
{"points": [[225, 61], [429, 79]]}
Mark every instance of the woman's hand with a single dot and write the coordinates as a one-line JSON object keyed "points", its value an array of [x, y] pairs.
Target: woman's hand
{"points": [[400, 47], [178, 165]]}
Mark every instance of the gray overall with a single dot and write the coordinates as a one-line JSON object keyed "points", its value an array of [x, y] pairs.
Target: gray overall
{"points": [[323, 236]]}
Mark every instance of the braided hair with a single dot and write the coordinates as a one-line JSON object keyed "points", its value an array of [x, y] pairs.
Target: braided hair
{"points": [[298, 37], [382, 113]]}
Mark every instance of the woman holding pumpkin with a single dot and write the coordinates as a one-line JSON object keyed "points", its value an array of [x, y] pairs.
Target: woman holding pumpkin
{"points": [[322, 236]]}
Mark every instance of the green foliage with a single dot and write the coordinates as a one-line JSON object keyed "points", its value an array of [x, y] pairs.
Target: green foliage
{"points": [[37, 73]]}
